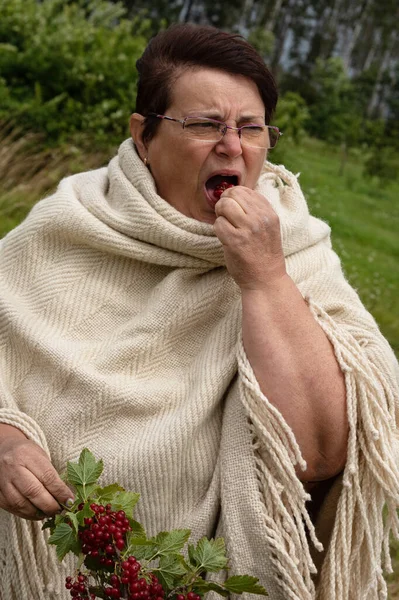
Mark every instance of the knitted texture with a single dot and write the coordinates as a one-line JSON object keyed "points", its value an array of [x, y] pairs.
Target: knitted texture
{"points": [[120, 330]]}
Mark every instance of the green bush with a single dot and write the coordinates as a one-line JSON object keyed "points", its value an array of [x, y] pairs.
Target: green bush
{"points": [[291, 117], [69, 68]]}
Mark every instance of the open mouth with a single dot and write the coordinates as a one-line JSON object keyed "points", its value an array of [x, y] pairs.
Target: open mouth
{"points": [[217, 184]]}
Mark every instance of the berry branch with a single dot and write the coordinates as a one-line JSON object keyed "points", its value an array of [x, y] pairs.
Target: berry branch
{"points": [[115, 559]]}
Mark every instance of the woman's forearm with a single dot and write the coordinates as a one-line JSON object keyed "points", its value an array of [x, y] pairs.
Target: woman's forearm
{"points": [[297, 371]]}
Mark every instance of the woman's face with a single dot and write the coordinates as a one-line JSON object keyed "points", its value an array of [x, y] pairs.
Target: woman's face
{"points": [[181, 167]]}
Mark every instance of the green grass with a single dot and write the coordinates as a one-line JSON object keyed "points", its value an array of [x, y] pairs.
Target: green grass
{"points": [[364, 217]]}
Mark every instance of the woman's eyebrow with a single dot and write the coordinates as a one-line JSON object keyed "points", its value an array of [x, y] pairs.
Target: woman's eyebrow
{"points": [[218, 117]]}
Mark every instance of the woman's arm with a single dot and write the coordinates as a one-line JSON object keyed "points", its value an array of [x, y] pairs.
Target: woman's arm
{"points": [[292, 359], [295, 366]]}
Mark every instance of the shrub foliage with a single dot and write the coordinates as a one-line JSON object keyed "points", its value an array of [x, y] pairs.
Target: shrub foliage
{"points": [[69, 67]]}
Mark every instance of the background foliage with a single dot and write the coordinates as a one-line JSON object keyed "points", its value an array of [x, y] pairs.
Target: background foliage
{"points": [[68, 68]]}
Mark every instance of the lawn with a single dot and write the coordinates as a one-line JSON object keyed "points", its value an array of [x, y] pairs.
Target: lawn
{"points": [[364, 217]]}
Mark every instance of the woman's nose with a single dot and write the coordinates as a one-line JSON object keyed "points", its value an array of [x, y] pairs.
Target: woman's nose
{"points": [[230, 144]]}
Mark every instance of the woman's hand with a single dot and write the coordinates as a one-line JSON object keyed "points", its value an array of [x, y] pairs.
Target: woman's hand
{"points": [[30, 487], [249, 230]]}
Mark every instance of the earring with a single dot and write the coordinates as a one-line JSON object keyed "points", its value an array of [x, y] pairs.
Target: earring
{"points": [[146, 162]]}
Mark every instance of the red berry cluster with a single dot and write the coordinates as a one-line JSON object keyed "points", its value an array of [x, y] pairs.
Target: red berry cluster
{"points": [[78, 588], [104, 533], [189, 596], [138, 587]]}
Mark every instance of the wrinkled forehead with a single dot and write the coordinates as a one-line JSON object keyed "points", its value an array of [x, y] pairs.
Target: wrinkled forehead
{"points": [[215, 94]]}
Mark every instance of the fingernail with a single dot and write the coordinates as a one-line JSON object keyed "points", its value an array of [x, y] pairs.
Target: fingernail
{"points": [[69, 502]]}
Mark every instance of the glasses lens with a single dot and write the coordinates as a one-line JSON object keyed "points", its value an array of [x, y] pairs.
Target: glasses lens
{"points": [[203, 129], [259, 137]]}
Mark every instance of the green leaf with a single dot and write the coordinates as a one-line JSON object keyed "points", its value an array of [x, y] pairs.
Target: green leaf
{"points": [[84, 491], [171, 569], [191, 554], [244, 583], [106, 494], [73, 519], [141, 548], [60, 518], [209, 555], [170, 542], [65, 541], [137, 529], [125, 501], [202, 587], [84, 474]]}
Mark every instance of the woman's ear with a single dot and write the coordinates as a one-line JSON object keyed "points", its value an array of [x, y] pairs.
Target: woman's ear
{"points": [[136, 131]]}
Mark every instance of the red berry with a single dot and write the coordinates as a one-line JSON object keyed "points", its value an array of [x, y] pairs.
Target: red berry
{"points": [[80, 506], [191, 596], [135, 586], [120, 544], [132, 559], [126, 565], [68, 585]]}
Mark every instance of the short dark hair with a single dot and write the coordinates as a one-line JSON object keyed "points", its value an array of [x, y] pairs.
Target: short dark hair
{"points": [[185, 46]]}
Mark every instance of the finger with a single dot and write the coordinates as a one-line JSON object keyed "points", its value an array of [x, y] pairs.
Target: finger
{"points": [[231, 210], [237, 194], [14, 502], [48, 476], [224, 230], [36, 492], [249, 200]]}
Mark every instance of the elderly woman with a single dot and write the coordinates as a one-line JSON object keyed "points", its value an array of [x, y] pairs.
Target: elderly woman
{"points": [[181, 314]]}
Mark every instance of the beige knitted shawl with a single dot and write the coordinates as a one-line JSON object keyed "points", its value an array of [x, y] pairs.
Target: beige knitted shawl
{"points": [[120, 331]]}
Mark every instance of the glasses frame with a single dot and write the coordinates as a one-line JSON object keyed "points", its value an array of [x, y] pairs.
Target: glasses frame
{"points": [[223, 130]]}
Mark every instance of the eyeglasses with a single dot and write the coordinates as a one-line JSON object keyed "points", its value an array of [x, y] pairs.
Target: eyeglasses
{"points": [[212, 131]]}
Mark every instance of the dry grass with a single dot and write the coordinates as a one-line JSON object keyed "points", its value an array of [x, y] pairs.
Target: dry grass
{"points": [[29, 170]]}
